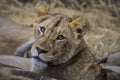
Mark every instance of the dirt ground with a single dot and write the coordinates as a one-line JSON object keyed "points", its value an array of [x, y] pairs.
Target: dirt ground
{"points": [[104, 35]]}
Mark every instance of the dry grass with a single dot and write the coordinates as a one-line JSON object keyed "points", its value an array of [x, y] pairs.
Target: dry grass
{"points": [[103, 38]]}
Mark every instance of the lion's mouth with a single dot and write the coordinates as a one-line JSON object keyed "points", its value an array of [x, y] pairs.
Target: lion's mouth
{"points": [[39, 59], [43, 58]]}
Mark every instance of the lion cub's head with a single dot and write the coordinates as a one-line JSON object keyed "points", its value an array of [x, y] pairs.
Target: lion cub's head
{"points": [[58, 37]]}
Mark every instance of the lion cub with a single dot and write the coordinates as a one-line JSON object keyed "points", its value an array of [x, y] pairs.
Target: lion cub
{"points": [[59, 49]]}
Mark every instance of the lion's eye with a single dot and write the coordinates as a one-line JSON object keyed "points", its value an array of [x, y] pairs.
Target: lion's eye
{"points": [[42, 29], [60, 37]]}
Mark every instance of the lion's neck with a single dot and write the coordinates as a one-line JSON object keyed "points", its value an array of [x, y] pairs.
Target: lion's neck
{"points": [[76, 65]]}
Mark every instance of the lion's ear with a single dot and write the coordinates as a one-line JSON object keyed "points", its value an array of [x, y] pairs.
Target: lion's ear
{"points": [[42, 10], [80, 25]]}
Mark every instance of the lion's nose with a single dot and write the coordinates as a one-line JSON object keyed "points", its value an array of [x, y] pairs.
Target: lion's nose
{"points": [[41, 50]]}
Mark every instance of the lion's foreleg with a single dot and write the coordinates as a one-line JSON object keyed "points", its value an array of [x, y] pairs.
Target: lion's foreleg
{"points": [[22, 49]]}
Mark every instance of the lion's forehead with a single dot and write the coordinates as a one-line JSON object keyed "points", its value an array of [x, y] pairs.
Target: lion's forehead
{"points": [[53, 19], [57, 24], [48, 20]]}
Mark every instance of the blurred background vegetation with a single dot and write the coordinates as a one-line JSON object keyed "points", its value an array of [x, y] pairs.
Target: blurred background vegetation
{"points": [[103, 16]]}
